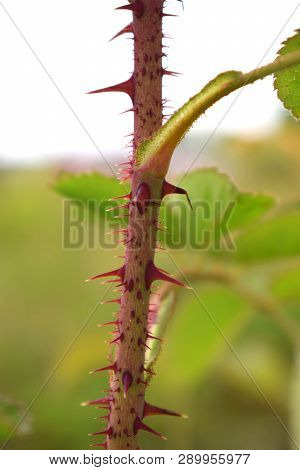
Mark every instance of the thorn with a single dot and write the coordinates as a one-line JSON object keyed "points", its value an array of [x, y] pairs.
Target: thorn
{"points": [[128, 163], [141, 343], [170, 72], [127, 380], [168, 14], [118, 301], [117, 332], [153, 337], [102, 417], [117, 272], [129, 110], [150, 410], [116, 322], [169, 188], [152, 274], [120, 285], [148, 371], [126, 196], [110, 367], [109, 209], [122, 230], [139, 425], [124, 87], [137, 7], [100, 401], [118, 339], [126, 29], [107, 432]]}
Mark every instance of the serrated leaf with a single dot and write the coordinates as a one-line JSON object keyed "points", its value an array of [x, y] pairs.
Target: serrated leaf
{"points": [[219, 208], [92, 189], [287, 82], [274, 238]]}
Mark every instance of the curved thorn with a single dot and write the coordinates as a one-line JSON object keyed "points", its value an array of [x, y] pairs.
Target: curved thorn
{"points": [[139, 425], [137, 7], [126, 29], [124, 87]]}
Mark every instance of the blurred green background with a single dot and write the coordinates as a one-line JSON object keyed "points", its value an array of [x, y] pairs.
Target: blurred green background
{"points": [[238, 396]]}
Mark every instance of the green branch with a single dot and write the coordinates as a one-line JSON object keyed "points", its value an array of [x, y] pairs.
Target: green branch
{"points": [[154, 155]]}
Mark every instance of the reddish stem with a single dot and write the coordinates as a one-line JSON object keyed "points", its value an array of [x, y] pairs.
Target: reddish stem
{"points": [[127, 381]]}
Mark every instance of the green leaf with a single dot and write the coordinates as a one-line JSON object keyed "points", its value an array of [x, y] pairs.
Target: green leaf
{"points": [[218, 209], [201, 327], [274, 238], [92, 189], [287, 82]]}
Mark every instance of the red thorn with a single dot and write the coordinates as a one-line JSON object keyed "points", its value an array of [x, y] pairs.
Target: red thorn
{"points": [[117, 207], [154, 274], [100, 401], [127, 380], [169, 188], [171, 73], [128, 241], [117, 272], [124, 112], [137, 7], [141, 343], [121, 285], [124, 87], [106, 417], [126, 29], [145, 369], [110, 281], [115, 332], [117, 301], [118, 339], [139, 425], [150, 410], [153, 337], [116, 322], [106, 432], [110, 367], [126, 196], [168, 14]]}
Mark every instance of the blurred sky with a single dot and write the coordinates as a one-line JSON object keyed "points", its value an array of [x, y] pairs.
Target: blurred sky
{"points": [[71, 40]]}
